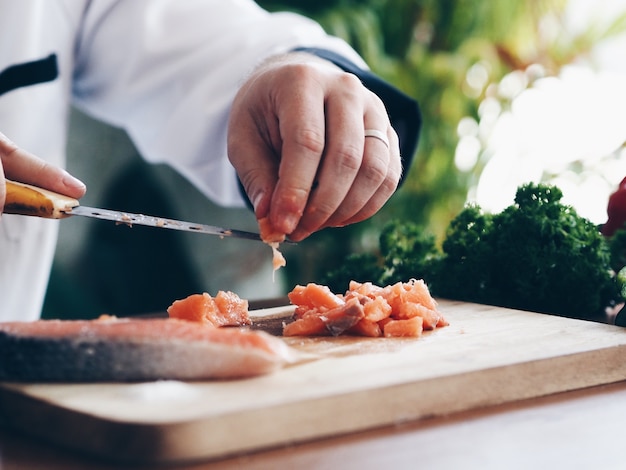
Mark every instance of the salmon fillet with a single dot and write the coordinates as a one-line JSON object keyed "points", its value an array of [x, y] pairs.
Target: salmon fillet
{"points": [[121, 350]]}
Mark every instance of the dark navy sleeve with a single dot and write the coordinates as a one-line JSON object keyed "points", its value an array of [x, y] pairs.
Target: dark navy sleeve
{"points": [[404, 112]]}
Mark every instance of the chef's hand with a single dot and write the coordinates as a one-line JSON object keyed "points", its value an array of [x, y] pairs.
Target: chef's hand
{"points": [[297, 140], [19, 165]]}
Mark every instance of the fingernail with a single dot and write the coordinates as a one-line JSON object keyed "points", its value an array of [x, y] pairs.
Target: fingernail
{"points": [[290, 222], [257, 200], [73, 182]]}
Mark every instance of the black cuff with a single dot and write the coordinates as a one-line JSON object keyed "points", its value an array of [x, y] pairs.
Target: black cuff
{"points": [[404, 111]]}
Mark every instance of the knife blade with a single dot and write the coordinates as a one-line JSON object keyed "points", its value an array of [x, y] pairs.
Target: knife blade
{"points": [[25, 199]]}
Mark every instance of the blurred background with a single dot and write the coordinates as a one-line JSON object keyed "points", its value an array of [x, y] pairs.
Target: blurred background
{"points": [[510, 92]]}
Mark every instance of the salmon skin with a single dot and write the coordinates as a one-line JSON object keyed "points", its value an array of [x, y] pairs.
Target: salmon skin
{"points": [[124, 350]]}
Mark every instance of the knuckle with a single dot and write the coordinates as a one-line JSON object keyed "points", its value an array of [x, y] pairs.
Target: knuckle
{"points": [[319, 210], [292, 199], [250, 180], [392, 179], [351, 83], [310, 139], [389, 184], [349, 91], [377, 171], [348, 158], [300, 70], [316, 214], [377, 103], [299, 73], [10, 150]]}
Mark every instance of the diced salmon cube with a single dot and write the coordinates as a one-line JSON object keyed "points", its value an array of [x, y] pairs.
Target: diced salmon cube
{"points": [[306, 326], [344, 317], [367, 288], [366, 327], [376, 309], [410, 310], [226, 309], [232, 310], [411, 327], [193, 308], [314, 296]]}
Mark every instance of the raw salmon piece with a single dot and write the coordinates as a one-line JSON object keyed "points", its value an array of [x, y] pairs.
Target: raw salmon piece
{"points": [[414, 291], [394, 295], [406, 300], [233, 310], [367, 288], [226, 309], [303, 311], [134, 350], [409, 310], [419, 293], [314, 296], [344, 317], [334, 321], [267, 232], [310, 325], [411, 327], [273, 239], [193, 308], [413, 299], [366, 327], [409, 303], [383, 322], [376, 309], [278, 260]]}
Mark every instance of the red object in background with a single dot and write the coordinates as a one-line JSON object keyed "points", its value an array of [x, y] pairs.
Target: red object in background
{"points": [[616, 210]]}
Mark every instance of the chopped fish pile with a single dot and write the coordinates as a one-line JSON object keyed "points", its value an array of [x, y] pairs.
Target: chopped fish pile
{"points": [[398, 310]]}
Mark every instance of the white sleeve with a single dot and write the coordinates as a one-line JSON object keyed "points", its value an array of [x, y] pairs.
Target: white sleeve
{"points": [[167, 72]]}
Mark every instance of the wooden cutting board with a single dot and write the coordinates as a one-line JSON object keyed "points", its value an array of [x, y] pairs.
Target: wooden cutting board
{"points": [[487, 356]]}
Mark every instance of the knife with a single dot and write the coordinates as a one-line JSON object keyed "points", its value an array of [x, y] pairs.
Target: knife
{"points": [[25, 199]]}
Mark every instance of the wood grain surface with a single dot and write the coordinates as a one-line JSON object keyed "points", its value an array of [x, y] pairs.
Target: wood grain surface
{"points": [[487, 356]]}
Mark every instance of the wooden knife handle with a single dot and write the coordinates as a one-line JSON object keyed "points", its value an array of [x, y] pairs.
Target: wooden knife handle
{"points": [[25, 199]]}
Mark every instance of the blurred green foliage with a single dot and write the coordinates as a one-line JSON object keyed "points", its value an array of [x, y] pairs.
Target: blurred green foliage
{"points": [[530, 256], [426, 48]]}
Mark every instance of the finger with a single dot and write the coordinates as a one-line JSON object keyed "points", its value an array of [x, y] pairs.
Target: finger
{"points": [[342, 158], [386, 189], [376, 168], [255, 160], [20, 165], [302, 130]]}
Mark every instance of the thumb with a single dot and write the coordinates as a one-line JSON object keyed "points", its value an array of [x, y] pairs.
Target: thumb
{"points": [[20, 165]]}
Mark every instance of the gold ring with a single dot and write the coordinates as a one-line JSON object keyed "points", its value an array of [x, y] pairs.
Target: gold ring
{"points": [[376, 134]]}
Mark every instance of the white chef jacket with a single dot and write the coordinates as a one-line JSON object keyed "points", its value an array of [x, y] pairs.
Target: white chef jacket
{"points": [[164, 70]]}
